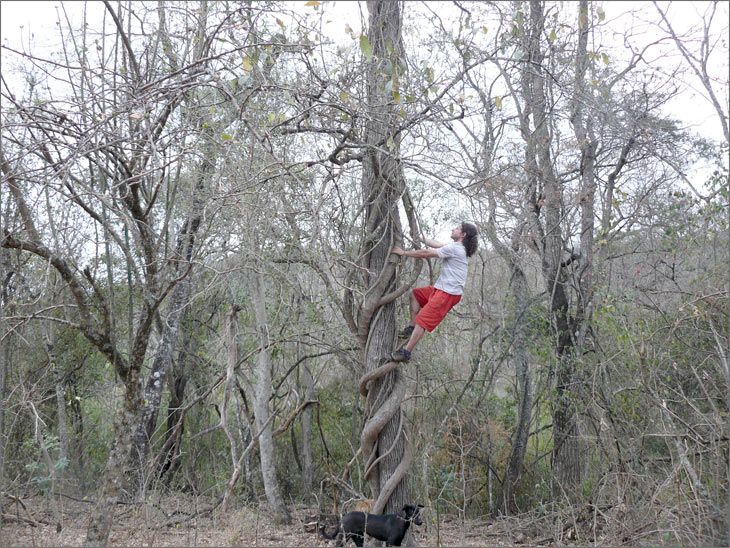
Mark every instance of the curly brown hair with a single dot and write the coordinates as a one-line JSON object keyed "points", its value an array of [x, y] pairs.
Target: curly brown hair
{"points": [[471, 239]]}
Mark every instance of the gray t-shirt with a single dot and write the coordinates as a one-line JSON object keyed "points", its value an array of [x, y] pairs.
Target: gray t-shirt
{"points": [[453, 269]]}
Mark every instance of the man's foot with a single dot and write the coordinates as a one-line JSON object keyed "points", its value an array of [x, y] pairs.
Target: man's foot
{"points": [[400, 355], [406, 332]]}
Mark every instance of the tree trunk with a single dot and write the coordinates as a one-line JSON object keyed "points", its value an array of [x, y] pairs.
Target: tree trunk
{"points": [[522, 370], [61, 416], [583, 128], [4, 361], [168, 461], [307, 380], [154, 387], [181, 293], [567, 457], [62, 420], [165, 352], [307, 459], [76, 443], [384, 440], [263, 392], [6, 275], [566, 437], [102, 513], [229, 394]]}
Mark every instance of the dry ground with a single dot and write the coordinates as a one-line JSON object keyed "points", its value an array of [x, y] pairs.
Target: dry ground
{"points": [[183, 521]]}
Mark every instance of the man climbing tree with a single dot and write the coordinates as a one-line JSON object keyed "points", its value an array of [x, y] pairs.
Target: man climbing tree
{"points": [[430, 304]]}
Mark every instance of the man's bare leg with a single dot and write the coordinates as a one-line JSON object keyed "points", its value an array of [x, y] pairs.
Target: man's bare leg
{"points": [[418, 332], [413, 332], [415, 308]]}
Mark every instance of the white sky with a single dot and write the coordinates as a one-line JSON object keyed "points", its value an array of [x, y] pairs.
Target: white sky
{"points": [[691, 106], [22, 22]]}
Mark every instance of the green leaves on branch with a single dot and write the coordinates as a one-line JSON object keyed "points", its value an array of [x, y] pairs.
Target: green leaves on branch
{"points": [[392, 68], [428, 73], [275, 117], [520, 18], [595, 56], [583, 19], [365, 47], [518, 27]]}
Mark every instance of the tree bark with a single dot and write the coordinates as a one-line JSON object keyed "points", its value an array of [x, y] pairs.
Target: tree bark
{"points": [[306, 420], [263, 392], [583, 128], [168, 460], [111, 490], [163, 359], [61, 416], [384, 440], [566, 437], [515, 465], [6, 276], [76, 443], [182, 265], [519, 296], [229, 394]]}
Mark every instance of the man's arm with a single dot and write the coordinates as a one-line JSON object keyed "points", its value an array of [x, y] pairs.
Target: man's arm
{"points": [[416, 253], [433, 243]]}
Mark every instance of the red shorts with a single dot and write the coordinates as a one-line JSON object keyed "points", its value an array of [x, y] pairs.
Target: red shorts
{"points": [[435, 305]]}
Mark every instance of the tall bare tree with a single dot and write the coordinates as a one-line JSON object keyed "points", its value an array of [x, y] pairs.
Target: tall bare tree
{"points": [[700, 59], [116, 160], [384, 441], [263, 391]]}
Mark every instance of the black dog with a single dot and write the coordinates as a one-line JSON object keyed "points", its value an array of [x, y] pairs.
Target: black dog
{"points": [[388, 527]]}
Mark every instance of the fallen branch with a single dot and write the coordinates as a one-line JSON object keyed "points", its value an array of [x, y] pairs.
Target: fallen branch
{"points": [[20, 519], [18, 500]]}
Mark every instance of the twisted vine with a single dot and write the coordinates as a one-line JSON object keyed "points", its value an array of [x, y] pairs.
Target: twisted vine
{"points": [[384, 406], [377, 420], [384, 185]]}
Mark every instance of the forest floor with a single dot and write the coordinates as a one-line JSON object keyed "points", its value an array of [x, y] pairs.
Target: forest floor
{"points": [[184, 521]]}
